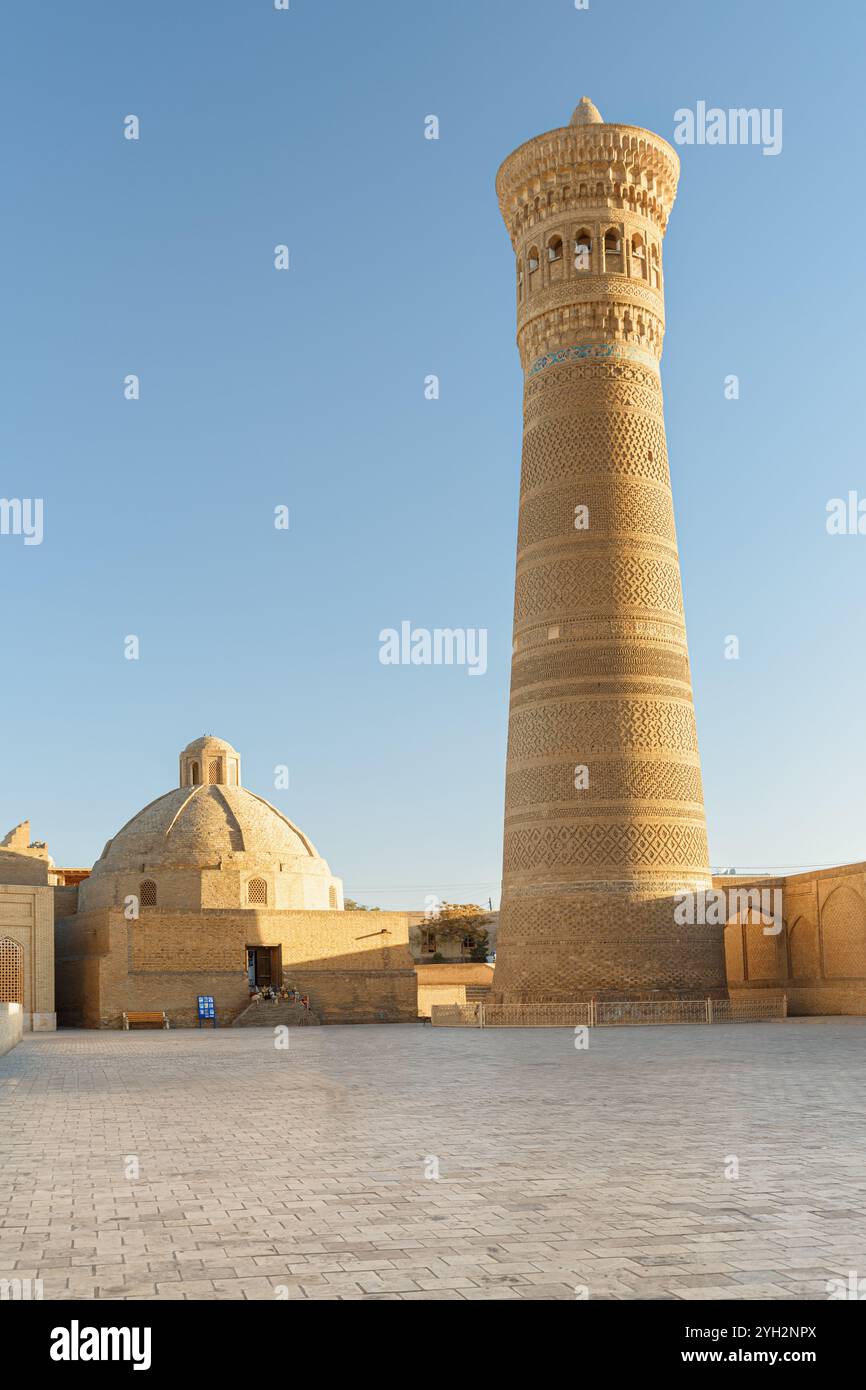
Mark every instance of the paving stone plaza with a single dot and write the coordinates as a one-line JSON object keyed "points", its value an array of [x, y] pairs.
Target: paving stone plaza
{"points": [[309, 1173]]}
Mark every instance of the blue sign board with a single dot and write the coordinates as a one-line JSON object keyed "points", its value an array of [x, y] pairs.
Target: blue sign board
{"points": [[206, 1008]]}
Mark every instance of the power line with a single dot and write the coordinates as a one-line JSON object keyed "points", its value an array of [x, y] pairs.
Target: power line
{"points": [[420, 887], [718, 870], [763, 869]]}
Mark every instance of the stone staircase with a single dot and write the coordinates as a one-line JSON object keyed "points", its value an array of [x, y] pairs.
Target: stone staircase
{"points": [[271, 1013], [478, 994]]}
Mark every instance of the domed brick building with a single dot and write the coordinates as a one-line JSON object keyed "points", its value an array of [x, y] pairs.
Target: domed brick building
{"points": [[212, 890], [211, 843]]}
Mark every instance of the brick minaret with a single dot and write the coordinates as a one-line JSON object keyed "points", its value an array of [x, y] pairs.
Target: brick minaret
{"points": [[604, 818]]}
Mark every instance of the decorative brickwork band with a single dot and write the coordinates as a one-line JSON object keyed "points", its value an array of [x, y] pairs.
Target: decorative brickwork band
{"points": [[593, 352]]}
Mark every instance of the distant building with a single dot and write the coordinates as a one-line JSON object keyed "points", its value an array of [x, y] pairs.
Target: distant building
{"points": [[27, 891], [425, 941]]}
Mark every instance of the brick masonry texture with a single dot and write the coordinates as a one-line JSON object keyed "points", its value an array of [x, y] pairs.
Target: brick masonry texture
{"points": [[27, 918], [353, 971], [194, 879], [353, 967], [207, 842], [819, 957], [304, 1169], [600, 671]]}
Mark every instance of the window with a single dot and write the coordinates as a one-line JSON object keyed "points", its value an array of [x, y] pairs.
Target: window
{"points": [[11, 971], [555, 262], [656, 271], [147, 893], [257, 891], [612, 250], [193, 775], [332, 897], [638, 258], [428, 942], [582, 250], [534, 263], [215, 770], [520, 282]]}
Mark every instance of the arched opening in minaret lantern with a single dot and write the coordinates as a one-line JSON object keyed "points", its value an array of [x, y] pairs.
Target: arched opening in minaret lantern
{"points": [[612, 250], [638, 257]]}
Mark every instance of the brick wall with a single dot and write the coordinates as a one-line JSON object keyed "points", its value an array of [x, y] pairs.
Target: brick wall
{"points": [[27, 916], [360, 996], [353, 969], [445, 993], [65, 901], [819, 957]]}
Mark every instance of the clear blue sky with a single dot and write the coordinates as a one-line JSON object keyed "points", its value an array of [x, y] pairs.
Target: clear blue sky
{"points": [[306, 388]]}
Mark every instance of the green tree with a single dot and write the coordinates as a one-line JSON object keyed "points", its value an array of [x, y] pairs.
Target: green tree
{"points": [[463, 922]]}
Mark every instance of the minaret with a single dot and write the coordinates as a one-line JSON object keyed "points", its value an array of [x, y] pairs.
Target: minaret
{"points": [[604, 817]]}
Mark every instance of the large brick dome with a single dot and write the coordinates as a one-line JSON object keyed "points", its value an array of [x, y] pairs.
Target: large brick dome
{"points": [[211, 843], [199, 825]]}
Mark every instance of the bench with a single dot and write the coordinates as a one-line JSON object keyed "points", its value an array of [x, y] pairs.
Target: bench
{"points": [[160, 1018]]}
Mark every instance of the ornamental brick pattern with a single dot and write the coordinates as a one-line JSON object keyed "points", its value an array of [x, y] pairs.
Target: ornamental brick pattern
{"points": [[600, 672]]}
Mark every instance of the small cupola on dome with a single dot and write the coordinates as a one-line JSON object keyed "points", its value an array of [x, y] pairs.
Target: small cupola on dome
{"points": [[210, 761], [586, 113]]}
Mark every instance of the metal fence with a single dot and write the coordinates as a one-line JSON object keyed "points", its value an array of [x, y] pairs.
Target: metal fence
{"points": [[611, 1013], [608, 1013], [747, 1010], [455, 1015], [535, 1015]]}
